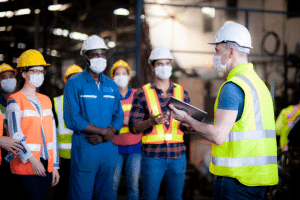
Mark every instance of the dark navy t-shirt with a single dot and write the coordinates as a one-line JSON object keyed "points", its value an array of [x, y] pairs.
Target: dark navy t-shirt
{"points": [[232, 97]]}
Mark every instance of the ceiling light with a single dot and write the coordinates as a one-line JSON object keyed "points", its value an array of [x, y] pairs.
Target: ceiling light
{"points": [[9, 28], [2, 1], [121, 11], [2, 57], [209, 11], [37, 11], [78, 36], [25, 11], [21, 45], [2, 14], [9, 14], [111, 44], [2, 28], [59, 7]]}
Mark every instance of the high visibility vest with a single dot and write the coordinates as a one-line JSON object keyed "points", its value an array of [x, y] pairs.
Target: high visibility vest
{"points": [[160, 134], [249, 153], [286, 120], [125, 137], [64, 135], [31, 124]]}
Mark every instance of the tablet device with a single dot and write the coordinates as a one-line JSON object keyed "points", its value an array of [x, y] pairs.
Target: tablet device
{"points": [[192, 111]]}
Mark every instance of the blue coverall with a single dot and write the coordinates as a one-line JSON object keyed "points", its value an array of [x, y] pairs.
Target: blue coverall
{"points": [[92, 166]]}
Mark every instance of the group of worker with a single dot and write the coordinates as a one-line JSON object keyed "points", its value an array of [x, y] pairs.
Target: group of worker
{"points": [[103, 126]]}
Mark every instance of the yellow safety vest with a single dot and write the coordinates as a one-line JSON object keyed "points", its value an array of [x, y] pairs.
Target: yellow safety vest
{"points": [[160, 134], [286, 120], [64, 135], [3, 110], [249, 153]]}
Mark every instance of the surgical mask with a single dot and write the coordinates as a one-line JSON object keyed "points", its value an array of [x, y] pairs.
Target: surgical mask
{"points": [[97, 65], [9, 85], [163, 72], [36, 79], [217, 63], [121, 80]]}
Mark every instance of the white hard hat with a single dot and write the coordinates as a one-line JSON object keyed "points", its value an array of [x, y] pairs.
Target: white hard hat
{"points": [[160, 53], [93, 42], [233, 32]]}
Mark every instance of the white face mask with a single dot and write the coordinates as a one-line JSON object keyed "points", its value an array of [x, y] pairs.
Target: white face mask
{"points": [[163, 72], [121, 80], [8, 85], [218, 65], [97, 65], [36, 80]]}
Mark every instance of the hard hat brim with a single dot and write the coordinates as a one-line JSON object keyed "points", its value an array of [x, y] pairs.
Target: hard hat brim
{"points": [[212, 43]]}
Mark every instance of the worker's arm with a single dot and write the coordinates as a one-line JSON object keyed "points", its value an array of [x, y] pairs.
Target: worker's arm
{"points": [[72, 116], [13, 115], [215, 133], [118, 113], [139, 120], [229, 110]]}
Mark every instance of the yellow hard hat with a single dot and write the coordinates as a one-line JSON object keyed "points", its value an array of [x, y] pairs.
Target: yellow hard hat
{"points": [[120, 63], [31, 57], [73, 69], [6, 67]]}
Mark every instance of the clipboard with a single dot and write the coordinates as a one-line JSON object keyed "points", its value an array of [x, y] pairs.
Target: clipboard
{"points": [[192, 111]]}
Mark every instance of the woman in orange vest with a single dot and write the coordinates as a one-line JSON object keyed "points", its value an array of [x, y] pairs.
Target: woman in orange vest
{"points": [[129, 145], [30, 120]]}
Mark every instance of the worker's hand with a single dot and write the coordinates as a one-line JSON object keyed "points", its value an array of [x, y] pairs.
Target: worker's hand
{"points": [[187, 127], [179, 115], [159, 119], [55, 177], [94, 139], [11, 145], [37, 166], [126, 121], [108, 133]]}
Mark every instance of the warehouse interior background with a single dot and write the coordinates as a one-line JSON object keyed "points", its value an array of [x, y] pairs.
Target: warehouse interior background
{"points": [[132, 28]]}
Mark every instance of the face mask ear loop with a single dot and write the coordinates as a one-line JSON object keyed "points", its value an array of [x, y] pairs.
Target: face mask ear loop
{"points": [[88, 60]]}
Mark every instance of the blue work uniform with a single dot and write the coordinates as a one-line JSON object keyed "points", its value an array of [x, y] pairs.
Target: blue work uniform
{"points": [[92, 166]]}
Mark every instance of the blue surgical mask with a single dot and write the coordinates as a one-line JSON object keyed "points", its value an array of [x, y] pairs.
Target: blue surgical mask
{"points": [[9, 85]]}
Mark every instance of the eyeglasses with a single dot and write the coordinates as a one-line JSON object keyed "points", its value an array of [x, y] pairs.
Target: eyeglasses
{"points": [[34, 71]]}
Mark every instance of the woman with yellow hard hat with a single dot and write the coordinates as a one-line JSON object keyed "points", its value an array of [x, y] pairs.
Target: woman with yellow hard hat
{"points": [[30, 120], [129, 145]]}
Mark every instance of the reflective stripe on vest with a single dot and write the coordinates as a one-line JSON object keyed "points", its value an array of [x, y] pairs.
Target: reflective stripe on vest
{"points": [[247, 161], [249, 155], [159, 132], [126, 108], [250, 135], [64, 135]]}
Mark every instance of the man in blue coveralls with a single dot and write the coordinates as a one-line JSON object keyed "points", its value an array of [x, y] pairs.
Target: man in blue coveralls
{"points": [[92, 109]]}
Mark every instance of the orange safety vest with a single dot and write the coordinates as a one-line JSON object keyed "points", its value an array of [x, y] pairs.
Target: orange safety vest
{"points": [[160, 134], [1, 133], [31, 124], [125, 137]]}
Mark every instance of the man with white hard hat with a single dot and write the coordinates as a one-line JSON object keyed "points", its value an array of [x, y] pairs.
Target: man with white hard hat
{"points": [[244, 149], [92, 109], [163, 150]]}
